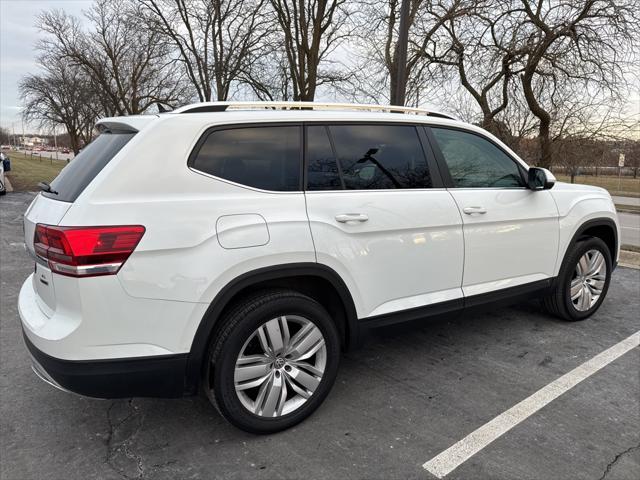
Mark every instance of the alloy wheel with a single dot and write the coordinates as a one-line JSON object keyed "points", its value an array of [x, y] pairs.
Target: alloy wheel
{"points": [[588, 280], [280, 366]]}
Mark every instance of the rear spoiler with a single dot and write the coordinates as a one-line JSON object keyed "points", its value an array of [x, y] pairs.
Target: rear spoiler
{"points": [[132, 124]]}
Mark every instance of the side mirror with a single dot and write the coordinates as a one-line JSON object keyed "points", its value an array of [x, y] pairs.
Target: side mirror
{"points": [[540, 179]]}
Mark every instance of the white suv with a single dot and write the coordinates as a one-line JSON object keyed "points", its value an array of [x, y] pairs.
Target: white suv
{"points": [[237, 249]]}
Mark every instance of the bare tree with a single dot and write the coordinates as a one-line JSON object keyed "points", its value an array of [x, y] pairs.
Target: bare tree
{"points": [[485, 56], [268, 76], [310, 30], [543, 63], [427, 40], [516, 125], [377, 24], [127, 65], [5, 136], [214, 40], [582, 126], [585, 43], [60, 97]]}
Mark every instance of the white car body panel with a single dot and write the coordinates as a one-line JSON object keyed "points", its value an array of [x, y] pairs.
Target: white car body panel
{"points": [[180, 209], [49, 212], [96, 319], [389, 261], [578, 204], [182, 259], [202, 232], [514, 242]]}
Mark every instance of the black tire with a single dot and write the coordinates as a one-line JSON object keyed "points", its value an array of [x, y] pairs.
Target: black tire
{"points": [[559, 302], [236, 328]]}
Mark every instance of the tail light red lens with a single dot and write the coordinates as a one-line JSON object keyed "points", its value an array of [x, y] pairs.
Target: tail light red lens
{"points": [[86, 251]]}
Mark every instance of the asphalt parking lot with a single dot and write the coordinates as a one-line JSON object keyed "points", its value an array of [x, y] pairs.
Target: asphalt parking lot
{"points": [[406, 396]]}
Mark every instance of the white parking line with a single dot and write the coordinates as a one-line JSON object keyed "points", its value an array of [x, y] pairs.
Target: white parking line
{"points": [[457, 454]]}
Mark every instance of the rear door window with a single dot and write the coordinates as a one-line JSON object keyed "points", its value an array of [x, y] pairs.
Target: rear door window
{"points": [[366, 157], [266, 157], [322, 167], [75, 177]]}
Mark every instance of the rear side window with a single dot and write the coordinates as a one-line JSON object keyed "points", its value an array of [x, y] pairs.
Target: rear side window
{"points": [[322, 168], [262, 157], [475, 162], [75, 177], [366, 157]]}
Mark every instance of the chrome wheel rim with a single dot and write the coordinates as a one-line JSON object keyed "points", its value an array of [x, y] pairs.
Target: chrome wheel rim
{"points": [[280, 366], [588, 280]]}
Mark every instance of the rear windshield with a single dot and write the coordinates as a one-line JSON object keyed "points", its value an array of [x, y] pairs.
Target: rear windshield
{"points": [[75, 177]]}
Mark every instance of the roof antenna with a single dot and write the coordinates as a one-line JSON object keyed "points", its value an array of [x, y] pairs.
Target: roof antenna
{"points": [[161, 109]]}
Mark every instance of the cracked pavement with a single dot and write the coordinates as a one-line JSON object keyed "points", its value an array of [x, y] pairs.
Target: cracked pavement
{"points": [[619, 458], [404, 397], [125, 420]]}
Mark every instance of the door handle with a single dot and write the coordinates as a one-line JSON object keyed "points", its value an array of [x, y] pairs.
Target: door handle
{"points": [[472, 210], [351, 217]]}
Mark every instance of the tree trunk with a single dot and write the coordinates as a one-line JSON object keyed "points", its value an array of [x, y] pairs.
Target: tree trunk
{"points": [[543, 116], [74, 141], [304, 96], [545, 144], [399, 88], [393, 81], [488, 124], [492, 126]]}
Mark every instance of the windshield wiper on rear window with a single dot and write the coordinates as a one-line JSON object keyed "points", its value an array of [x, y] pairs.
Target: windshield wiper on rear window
{"points": [[45, 187]]}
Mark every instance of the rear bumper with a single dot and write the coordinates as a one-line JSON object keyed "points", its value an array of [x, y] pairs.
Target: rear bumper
{"points": [[158, 376]]}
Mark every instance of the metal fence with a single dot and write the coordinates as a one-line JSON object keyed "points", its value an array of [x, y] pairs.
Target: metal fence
{"points": [[598, 171]]}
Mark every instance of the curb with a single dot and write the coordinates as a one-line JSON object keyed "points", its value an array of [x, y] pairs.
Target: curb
{"points": [[627, 209], [629, 259], [628, 265], [7, 184]]}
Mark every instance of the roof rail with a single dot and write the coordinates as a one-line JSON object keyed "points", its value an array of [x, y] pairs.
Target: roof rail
{"points": [[226, 106]]}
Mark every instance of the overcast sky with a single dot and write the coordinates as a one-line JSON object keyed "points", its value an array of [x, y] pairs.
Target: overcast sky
{"points": [[18, 36]]}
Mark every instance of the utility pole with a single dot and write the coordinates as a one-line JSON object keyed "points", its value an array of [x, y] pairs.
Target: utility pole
{"points": [[401, 56]]}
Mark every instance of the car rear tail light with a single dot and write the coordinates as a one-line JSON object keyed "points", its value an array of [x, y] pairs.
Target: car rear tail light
{"points": [[86, 251]]}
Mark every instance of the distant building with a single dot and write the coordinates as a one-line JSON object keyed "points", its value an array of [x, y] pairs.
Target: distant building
{"points": [[33, 141]]}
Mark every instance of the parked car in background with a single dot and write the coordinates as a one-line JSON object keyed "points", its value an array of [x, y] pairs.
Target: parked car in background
{"points": [[4, 164], [237, 249]]}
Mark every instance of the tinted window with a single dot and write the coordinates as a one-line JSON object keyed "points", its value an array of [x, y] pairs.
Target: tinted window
{"points": [[322, 168], [380, 156], [75, 177], [260, 157], [476, 162]]}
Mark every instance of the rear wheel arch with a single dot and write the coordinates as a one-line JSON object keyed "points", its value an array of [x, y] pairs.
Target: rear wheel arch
{"points": [[317, 281]]}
